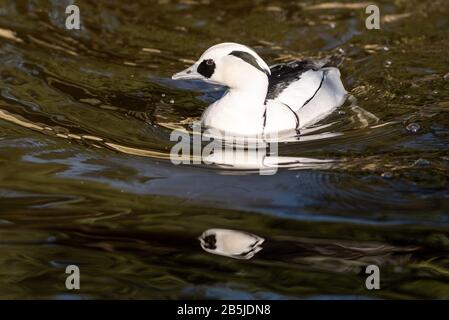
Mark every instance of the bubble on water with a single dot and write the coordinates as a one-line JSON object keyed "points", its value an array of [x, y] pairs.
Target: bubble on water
{"points": [[172, 101], [163, 95], [422, 163], [387, 175], [341, 50], [386, 48], [407, 96], [387, 63], [332, 25], [435, 92], [413, 127], [341, 112]]}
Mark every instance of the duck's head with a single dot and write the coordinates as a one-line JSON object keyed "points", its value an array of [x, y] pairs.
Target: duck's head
{"points": [[228, 64]]}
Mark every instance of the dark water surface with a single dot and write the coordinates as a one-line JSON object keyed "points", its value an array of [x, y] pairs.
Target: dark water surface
{"points": [[85, 175]]}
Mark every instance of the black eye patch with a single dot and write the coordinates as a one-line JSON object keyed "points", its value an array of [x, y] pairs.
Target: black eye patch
{"points": [[248, 58], [210, 242], [206, 68]]}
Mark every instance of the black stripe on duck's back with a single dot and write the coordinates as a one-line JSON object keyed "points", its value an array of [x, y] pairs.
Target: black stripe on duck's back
{"points": [[282, 75]]}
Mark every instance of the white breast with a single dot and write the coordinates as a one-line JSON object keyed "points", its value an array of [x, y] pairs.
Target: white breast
{"points": [[236, 113]]}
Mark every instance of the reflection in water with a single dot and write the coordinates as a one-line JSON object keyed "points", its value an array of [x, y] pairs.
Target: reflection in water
{"points": [[231, 243], [86, 176], [265, 162]]}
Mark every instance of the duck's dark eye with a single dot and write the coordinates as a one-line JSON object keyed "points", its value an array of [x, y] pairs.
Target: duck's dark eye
{"points": [[206, 68]]}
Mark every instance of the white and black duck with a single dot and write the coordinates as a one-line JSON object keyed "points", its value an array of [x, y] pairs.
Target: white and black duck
{"points": [[264, 100]]}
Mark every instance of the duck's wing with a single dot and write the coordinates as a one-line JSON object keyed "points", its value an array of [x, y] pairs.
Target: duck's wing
{"points": [[297, 83]]}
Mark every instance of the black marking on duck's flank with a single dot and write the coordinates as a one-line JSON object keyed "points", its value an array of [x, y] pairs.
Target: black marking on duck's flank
{"points": [[282, 75], [210, 242], [265, 118], [206, 68], [248, 58]]}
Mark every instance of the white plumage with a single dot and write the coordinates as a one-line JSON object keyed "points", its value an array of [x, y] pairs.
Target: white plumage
{"points": [[263, 100]]}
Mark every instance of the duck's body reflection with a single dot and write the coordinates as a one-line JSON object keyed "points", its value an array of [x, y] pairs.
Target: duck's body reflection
{"points": [[231, 243], [262, 157], [237, 152]]}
